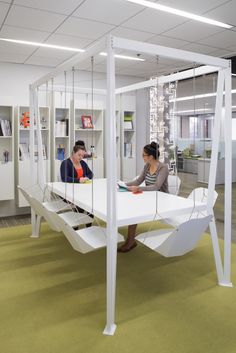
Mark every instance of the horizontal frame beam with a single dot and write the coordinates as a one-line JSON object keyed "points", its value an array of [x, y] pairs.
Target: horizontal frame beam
{"points": [[179, 54], [198, 71], [75, 60]]}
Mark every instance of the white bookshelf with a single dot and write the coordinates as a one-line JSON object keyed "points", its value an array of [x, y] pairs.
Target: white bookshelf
{"points": [[92, 137], [22, 151], [128, 136], [118, 145], [60, 139], [6, 153]]}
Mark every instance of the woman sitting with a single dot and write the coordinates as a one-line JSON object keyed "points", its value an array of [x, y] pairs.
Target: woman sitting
{"points": [[74, 169], [155, 175]]}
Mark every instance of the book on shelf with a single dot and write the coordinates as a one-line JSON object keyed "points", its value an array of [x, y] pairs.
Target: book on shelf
{"points": [[61, 152], [128, 116], [24, 151], [5, 127], [62, 128], [36, 152], [128, 125], [128, 149]]}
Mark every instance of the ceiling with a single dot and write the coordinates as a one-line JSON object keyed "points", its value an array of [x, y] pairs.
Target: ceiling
{"points": [[79, 23]]}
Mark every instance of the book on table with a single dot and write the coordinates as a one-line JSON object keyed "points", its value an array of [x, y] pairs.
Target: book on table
{"points": [[122, 184]]}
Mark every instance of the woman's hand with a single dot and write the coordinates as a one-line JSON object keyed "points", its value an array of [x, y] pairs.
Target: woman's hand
{"points": [[133, 188], [83, 180]]}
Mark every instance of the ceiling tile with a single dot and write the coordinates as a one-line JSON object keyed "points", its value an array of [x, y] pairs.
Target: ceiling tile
{"points": [[57, 6], [3, 11], [23, 33], [222, 40], [16, 58], [98, 68], [37, 60], [84, 28], [52, 53], [223, 52], [34, 19], [193, 31], [155, 22], [69, 41], [108, 11], [199, 48], [135, 72], [197, 7], [16, 48], [224, 13], [167, 41], [131, 34]]}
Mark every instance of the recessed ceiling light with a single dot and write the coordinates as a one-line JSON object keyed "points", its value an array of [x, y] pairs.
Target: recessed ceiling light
{"points": [[180, 13], [50, 46], [124, 57]]}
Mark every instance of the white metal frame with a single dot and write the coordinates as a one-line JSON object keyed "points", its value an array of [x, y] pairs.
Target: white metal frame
{"points": [[211, 64]]}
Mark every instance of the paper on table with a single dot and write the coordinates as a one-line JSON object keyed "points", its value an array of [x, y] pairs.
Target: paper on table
{"points": [[122, 184]]}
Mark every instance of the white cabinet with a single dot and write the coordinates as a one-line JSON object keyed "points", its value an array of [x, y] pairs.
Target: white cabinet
{"points": [[190, 165], [60, 139], [204, 170], [6, 153], [88, 126], [128, 137], [22, 148]]}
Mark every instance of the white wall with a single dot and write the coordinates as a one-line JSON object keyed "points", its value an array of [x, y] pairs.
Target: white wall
{"points": [[16, 78], [15, 81], [142, 125]]}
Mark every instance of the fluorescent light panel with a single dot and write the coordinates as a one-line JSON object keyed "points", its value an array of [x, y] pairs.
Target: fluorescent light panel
{"points": [[198, 96], [180, 13], [50, 46], [193, 111], [124, 57]]}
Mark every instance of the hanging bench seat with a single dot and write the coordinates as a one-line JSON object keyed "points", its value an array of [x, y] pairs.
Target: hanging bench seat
{"points": [[177, 242]]}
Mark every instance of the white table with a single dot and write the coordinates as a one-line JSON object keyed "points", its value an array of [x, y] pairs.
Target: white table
{"points": [[131, 209]]}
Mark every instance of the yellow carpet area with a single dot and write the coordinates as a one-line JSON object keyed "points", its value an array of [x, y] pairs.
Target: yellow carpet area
{"points": [[53, 299]]}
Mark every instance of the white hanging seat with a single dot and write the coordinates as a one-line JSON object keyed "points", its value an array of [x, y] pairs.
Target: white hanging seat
{"points": [[55, 205], [72, 219], [174, 184], [41, 211], [25, 194], [87, 239], [197, 195], [56, 221], [176, 242]]}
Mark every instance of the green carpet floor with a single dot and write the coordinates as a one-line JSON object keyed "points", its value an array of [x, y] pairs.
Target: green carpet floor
{"points": [[52, 299]]}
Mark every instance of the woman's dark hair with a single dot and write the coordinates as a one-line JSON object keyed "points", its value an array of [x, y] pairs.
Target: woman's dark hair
{"points": [[76, 148], [152, 149], [80, 143]]}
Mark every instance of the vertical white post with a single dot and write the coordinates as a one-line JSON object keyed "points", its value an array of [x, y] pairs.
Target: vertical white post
{"points": [[110, 138], [31, 146], [228, 177], [41, 170], [34, 222], [212, 175]]}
